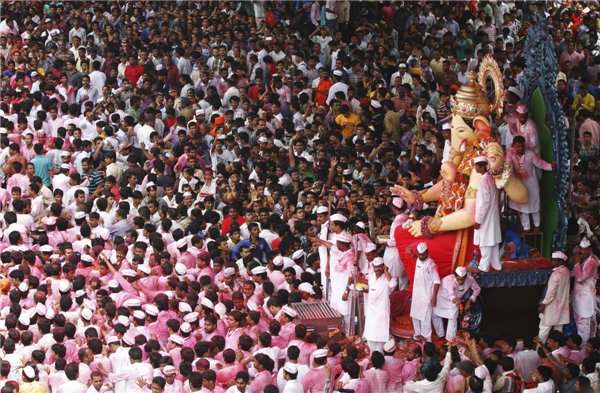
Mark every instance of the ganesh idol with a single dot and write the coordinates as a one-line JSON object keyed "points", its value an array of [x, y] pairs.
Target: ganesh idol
{"points": [[449, 234]]}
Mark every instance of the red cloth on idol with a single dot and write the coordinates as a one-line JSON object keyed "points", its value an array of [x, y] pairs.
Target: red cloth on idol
{"points": [[441, 250]]}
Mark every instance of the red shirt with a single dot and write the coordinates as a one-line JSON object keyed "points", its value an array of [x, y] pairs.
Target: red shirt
{"points": [[227, 222], [134, 73]]}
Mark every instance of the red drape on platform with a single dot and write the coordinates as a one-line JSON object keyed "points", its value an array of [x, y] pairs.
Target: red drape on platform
{"points": [[441, 250]]}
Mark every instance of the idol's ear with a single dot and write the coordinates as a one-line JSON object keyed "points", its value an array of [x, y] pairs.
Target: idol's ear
{"points": [[482, 127]]}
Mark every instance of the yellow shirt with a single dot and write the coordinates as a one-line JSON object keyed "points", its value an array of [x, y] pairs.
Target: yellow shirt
{"points": [[587, 102], [348, 129], [33, 387]]}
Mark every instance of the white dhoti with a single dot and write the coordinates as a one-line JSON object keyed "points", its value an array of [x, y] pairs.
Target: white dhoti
{"points": [[375, 346], [490, 255], [584, 327], [423, 327], [527, 223], [438, 324], [546, 329]]}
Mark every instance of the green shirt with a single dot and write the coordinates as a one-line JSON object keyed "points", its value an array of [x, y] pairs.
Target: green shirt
{"points": [[309, 174]]}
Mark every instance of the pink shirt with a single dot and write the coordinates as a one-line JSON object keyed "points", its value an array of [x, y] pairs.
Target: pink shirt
{"points": [[231, 339], [378, 379], [262, 380], [314, 381]]}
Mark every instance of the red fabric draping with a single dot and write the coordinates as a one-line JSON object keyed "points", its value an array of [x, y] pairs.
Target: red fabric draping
{"points": [[441, 250]]}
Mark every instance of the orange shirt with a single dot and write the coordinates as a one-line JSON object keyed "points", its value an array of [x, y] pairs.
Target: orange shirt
{"points": [[323, 86]]}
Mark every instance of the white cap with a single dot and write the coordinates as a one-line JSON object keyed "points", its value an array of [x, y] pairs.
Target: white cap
{"points": [[375, 104], [24, 319], [559, 255], [516, 91], [129, 339], [169, 370], [402, 65], [259, 270], [206, 302], [289, 311], [123, 320], [522, 109], [344, 238], [461, 271], [199, 112], [185, 307], [87, 314], [290, 368], [87, 258], [23, 287], [298, 254], [87, 303], [221, 310], [151, 309], [132, 303], [191, 317], [263, 139], [377, 261], [421, 248], [40, 308], [113, 284], [398, 202], [113, 339], [29, 372], [144, 268], [338, 217], [278, 260], [180, 269], [481, 158], [361, 225], [104, 233], [54, 32], [46, 248], [347, 172], [320, 353], [64, 286], [446, 126], [185, 327], [176, 338], [306, 287], [390, 346], [65, 154], [128, 272], [50, 314], [185, 194], [159, 67], [80, 293], [228, 272], [337, 73], [370, 247], [181, 242], [585, 243], [3, 130], [139, 314], [322, 210]]}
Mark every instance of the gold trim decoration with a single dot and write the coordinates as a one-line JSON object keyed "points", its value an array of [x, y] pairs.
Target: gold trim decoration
{"points": [[471, 99], [471, 193], [434, 225]]}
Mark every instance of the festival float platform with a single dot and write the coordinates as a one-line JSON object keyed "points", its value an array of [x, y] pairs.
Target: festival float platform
{"points": [[510, 299]]}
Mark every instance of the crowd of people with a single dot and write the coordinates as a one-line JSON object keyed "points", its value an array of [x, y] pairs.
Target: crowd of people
{"points": [[177, 176]]}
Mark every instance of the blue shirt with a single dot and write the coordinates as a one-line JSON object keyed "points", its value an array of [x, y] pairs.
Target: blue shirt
{"points": [[42, 166], [256, 252]]}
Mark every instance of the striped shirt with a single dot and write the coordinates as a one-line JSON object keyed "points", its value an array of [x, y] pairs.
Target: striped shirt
{"points": [[94, 178]]}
